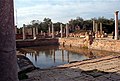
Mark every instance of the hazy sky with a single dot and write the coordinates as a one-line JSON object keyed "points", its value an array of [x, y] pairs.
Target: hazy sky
{"points": [[63, 10]]}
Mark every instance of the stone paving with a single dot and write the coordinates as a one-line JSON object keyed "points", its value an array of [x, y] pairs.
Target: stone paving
{"points": [[102, 69]]}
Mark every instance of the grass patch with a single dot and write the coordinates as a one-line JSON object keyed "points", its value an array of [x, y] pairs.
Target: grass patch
{"points": [[22, 76]]}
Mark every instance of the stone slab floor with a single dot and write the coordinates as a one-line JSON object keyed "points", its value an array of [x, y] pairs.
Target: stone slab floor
{"points": [[102, 69]]}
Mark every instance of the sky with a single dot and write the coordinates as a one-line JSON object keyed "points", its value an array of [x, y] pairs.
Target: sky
{"points": [[63, 10]]}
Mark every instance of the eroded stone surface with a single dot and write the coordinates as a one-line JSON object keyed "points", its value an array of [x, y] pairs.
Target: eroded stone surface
{"points": [[103, 69]]}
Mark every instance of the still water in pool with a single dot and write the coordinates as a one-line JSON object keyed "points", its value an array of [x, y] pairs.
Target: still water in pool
{"points": [[50, 56]]}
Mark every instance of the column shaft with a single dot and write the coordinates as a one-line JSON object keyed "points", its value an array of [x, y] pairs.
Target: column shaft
{"points": [[23, 31], [61, 30], [67, 30], [93, 26], [53, 31], [34, 35], [8, 60], [116, 25], [101, 28]]}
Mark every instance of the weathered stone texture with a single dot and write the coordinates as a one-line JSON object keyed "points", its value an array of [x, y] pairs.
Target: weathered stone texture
{"points": [[108, 45], [8, 63], [91, 70], [78, 42], [99, 44]]}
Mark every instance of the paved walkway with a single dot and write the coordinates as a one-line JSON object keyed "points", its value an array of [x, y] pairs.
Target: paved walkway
{"points": [[102, 69]]}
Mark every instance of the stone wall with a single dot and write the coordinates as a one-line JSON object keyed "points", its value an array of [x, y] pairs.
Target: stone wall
{"points": [[78, 42], [98, 44], [105, 44], [38, 42]]}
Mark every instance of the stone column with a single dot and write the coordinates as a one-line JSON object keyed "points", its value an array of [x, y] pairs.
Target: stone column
{"points": [[67, 30], [49, 30], [23, 31], [96, 27], [61, 30], [36, 30], [41, 32], [16, 29], [8, 60], [64, 30], [93, 25], [101, 28], [34, 35], [116, 25], [53, 31]]}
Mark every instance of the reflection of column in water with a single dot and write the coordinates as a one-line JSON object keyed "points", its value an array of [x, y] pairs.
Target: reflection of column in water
{"points": [[32, 54], [36, 53], [68, 56], [50, 52], [54, 55], [62, 55], [35, 57], [25, 54]]}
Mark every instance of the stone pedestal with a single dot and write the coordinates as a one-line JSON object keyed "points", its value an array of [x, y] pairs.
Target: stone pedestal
{"points": [[116, 25], [8, 60]]}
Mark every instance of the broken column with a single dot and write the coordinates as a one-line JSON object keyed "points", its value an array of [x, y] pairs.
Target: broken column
{"points": [[8, 60], [116, 25]]}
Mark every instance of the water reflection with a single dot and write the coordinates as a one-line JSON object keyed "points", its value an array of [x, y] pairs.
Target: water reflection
{"points": [[50, 56]]}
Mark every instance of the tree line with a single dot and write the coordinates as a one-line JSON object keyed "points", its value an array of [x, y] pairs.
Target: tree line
{"points": [[77, 24]]}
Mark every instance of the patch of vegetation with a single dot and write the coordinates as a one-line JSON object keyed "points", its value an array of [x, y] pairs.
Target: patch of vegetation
{"points": [[22, 76]]}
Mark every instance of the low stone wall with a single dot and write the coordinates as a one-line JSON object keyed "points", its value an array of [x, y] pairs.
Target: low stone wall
{"points": [[78, 42], [98, 44], [38, 42], [106, 44]]}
